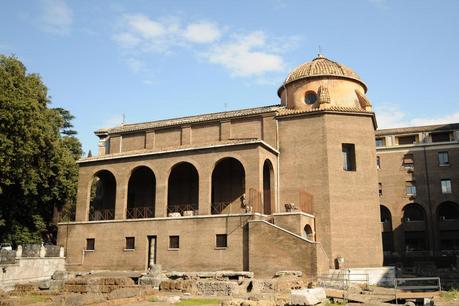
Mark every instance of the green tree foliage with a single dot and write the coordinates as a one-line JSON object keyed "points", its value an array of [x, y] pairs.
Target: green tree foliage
{"points": [[38, 150]]}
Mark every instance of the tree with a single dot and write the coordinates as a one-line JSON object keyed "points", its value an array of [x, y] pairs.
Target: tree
{"points": [[38, 172]]}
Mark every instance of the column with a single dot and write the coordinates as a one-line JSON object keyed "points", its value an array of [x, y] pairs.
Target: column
{"points": [[121, 195], [205, 194], [161, 194]]}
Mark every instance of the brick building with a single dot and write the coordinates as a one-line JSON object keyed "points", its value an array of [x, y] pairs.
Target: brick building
{"points": [[418, 171], [291, 186]]}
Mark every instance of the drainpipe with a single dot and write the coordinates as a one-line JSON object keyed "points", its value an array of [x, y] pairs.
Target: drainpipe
{"points": [[429, 200], [278, 169]]}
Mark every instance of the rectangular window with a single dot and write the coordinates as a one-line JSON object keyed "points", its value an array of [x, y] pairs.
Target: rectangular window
{"points": [[408, 161], [443, 158], [222, 240], [446, 186], [348, 157], [405, 140], [380, 189], [410, 189], [380, 142], [378, 162], [90, 244], [441, 137], [174, 242], [130, 243]]}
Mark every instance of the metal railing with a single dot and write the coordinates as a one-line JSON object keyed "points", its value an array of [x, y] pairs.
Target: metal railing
{"points": [[140, 212], [218, 207], [342, 280], [418, 284], [182, 208], [102, 214]]}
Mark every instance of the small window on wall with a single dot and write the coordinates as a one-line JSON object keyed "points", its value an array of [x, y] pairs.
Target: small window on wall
{"points": [[310, 97], [441, 137], [443, 158], [378, 162], [380, 142], [410, 188], [348, 157], [380, 189], [222, 240], [130, 243], [446, 186], [405, 140], [90, 244], [408, 161], [174, 242]]}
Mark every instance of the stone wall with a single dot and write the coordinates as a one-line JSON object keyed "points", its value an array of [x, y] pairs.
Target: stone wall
{"points": [[29, 269], [272, 249]]}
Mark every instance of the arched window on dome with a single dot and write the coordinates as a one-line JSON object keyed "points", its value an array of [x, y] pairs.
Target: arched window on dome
{"points": [[310, 97]]}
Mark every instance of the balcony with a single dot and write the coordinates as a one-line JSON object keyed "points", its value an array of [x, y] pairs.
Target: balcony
{"points": [[102, 214], [140, 212]]}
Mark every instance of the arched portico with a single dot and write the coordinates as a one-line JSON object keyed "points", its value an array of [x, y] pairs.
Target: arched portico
{"points": [[228, 186], [386, 229], [448, 226], [268, 188], [102, 196], [141, 194], [414, 225], [183, 189]]}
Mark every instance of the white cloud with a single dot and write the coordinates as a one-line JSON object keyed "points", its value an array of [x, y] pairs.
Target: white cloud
{"points": [[56, 17], [134, 64], [148, 35], [113, 120], [127, 40], [243, 55], [247, 56], [202, 32], [451, 118], [391, 116], [144, 26]]}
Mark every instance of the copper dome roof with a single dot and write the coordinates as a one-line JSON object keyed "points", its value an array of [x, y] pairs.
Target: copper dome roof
{"points": [[322, 66]]}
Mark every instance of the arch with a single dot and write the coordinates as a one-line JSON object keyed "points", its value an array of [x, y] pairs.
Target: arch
{"points": [[268, 187], [448, 226], [386, 216], [386, 229], [413, 212], [228, 186], [308, 232], [183, 189], [414, 217], [102, 196], [141, 193], [448, 211]]}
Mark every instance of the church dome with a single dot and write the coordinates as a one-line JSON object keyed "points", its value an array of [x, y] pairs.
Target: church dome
{"points": [[322, 67]]}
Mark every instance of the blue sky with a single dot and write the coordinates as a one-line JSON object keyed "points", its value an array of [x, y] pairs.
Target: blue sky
{"points": [[159, 59]]}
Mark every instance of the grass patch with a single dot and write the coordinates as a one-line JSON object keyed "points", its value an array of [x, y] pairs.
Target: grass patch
{"points": [[450, 294], [335, 303], [154, 299], [33, 298], [199, 302]]}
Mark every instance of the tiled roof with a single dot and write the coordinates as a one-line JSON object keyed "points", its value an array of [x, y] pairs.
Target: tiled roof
{"points": [[322, 66], [286, 112], [418, 129], [279, 111], [173, 149], [191, 119]]}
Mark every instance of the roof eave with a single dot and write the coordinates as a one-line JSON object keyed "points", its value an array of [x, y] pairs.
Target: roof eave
{"points": [[279, 91]]}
